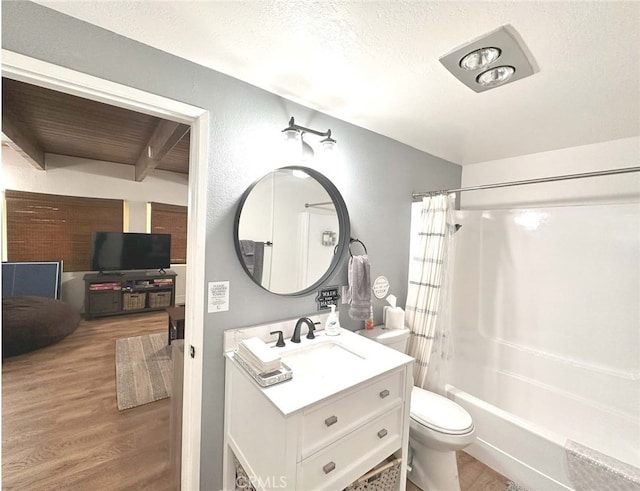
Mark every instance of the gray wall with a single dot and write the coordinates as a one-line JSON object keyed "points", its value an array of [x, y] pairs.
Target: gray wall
{"points": [[375, 175]]}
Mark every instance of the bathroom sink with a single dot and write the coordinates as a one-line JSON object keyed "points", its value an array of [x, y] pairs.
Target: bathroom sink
{"points": [[322, 359], [325, 366]]}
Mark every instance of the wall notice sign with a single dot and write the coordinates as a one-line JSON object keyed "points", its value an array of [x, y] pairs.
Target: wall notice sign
{"points": [[218, 296], [327, 296], [380, 287]]}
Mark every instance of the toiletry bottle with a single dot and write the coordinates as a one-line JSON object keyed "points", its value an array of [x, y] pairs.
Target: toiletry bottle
{"points": [[368, 324], [332, 326]]}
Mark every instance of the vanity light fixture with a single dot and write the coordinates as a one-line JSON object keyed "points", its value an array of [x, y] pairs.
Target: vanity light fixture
{"points": [[294, 136], [495, 59]]}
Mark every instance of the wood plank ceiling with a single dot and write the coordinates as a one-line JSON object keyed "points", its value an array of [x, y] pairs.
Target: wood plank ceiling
{"points": [[40, 121]]}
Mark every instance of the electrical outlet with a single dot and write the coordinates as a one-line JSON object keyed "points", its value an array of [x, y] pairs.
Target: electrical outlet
{"points": [[343, 296]]}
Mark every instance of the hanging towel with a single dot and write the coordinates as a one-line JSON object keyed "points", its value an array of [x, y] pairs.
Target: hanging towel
{"points": [[253, 256], [248, 247], [359, 292]]}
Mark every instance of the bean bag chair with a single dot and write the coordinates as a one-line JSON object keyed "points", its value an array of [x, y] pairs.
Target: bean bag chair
{"points": [[30, 323]]}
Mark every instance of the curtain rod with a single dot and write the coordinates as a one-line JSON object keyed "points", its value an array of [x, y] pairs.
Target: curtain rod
{"points": [[624, 170]]}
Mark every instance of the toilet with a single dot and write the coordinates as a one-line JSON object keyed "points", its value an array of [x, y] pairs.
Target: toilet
{"points": [[437, 427]]}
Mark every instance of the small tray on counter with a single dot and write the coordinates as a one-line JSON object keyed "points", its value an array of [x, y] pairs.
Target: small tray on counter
{"points": [[283, 374]]}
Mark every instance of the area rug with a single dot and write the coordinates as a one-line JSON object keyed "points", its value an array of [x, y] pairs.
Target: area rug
{"points": [[143, 370]]}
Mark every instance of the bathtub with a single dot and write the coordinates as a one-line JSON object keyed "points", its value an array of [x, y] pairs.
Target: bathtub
{"points": [[526, 454], [538, 459]]}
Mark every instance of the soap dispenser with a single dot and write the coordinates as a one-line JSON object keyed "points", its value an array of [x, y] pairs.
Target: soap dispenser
{"points": [[332, 325]]}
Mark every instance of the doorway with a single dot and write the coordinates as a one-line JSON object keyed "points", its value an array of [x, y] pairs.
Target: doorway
{"points": [[25, 69]]}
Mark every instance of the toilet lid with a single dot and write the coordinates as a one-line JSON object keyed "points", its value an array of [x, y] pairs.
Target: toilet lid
{"points": [[439, 413]]}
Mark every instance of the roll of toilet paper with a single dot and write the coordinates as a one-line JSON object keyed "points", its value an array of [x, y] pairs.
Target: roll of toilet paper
{"points": [[393, 317]]}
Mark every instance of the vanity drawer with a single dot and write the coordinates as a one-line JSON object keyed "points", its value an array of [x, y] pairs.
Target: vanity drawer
{"points": [[329, 468], [326, 423]]}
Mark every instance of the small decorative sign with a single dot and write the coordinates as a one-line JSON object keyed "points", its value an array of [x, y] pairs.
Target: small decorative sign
{"points": [[327, 296], [381, 287], [218, 296], [328, 238]]}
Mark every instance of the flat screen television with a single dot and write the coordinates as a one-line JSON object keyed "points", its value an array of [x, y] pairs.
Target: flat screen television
{"points": [[121, 251]]}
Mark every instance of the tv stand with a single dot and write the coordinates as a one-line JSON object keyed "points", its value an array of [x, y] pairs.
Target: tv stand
{"points": [[129, 292]]}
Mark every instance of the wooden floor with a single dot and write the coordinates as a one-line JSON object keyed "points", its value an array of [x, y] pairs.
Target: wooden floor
{"points": [[61, 428], [474, 476]]}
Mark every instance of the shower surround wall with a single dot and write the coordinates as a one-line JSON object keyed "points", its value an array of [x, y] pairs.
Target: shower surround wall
{"points": [[546, 320], [546, 312]]}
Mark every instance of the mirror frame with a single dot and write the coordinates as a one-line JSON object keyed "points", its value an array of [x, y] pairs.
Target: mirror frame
{"points": [[344, 228]]}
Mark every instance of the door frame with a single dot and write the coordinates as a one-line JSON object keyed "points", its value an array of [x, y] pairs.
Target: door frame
{"points": [[30, 70]]}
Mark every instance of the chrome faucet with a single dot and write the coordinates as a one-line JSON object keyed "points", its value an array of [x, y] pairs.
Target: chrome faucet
{"points": [[296, 332]]}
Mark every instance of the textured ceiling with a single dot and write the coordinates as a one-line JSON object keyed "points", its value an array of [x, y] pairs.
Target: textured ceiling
{"points": [[375, 64]]}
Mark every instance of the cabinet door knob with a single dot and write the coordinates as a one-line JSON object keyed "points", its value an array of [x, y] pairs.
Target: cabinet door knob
{"points": [[382, 433], [329, 467], [331, 420], [384, 393]]}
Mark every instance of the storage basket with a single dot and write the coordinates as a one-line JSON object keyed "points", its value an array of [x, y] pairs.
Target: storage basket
{"points": [[159, 299], [384, 477], [133, 301]]}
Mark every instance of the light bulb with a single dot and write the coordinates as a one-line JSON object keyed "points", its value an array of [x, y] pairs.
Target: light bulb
{"points": [[480, 58], [495, 76], [292, 135], [292, 146], [328, 144]]}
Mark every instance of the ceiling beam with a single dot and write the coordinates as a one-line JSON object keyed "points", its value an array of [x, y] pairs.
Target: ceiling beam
{"points": [[21, 140], [163, 139]]}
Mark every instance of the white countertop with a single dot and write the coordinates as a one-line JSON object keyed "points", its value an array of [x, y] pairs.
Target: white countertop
{"points": [[340, 370]]}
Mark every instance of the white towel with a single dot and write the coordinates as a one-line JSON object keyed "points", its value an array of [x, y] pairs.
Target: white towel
{"points": [[359, 293], [255, 352]]}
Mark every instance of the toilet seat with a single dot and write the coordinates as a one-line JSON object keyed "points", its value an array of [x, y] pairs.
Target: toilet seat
{"points": [[439, 413]]}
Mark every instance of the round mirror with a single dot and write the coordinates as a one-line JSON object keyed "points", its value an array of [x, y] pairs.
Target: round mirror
{"points": [[291, 229]]}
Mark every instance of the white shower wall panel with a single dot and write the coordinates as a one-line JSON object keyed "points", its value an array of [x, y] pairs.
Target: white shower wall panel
{"points": [[547, 322]]}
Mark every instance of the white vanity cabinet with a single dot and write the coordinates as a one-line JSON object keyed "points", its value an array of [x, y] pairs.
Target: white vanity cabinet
{"points": [[285, 437]]}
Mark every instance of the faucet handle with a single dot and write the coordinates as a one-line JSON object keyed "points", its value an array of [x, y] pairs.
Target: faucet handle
{"points": [[280, 342], [312, 328]]}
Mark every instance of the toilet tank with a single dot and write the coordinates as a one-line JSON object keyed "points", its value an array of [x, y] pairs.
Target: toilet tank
{"points": [[393, 338]]}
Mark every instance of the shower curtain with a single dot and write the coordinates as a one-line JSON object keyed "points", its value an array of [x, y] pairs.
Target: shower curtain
{"points": [[427, 308]]}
